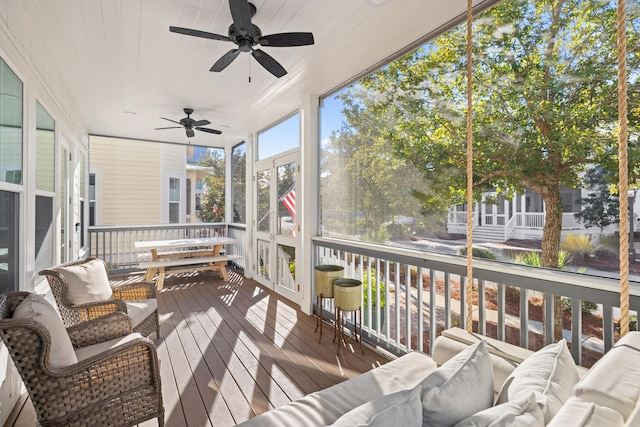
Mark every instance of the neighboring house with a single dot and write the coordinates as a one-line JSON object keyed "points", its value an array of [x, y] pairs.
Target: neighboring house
{"points": [[195, 189], [521, 217], [137, 182]]}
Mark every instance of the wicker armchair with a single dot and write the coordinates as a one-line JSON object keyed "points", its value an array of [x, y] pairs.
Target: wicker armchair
{"points": [[113, 385], [126, 297]]}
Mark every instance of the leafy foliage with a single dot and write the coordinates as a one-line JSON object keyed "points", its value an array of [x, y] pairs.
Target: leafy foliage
{"points": [[600, 208], [579, 246], [478, 253], [377, 289], [212, 202]]}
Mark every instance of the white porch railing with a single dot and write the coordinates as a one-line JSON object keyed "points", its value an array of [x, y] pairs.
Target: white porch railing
{"points": [[115, 244], [419, 289]]}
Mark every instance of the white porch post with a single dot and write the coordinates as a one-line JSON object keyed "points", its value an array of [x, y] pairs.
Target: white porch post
{"points": [[309, 154], [249, 255]]}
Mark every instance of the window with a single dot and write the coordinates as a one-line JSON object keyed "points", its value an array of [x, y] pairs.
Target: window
{"points": [[281, 137], [238, 190], [44, 232], [11, 147], [189, 196], [394, 143], [92, 199], [45, 187], [9, 255], [174, 200], [10, 126], [45, 150]]}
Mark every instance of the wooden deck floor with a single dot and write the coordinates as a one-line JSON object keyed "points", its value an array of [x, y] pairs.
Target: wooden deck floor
{"points": [[231, 350]]}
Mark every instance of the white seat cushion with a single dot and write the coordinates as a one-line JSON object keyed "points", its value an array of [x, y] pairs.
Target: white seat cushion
{"points": [[139, 310], [35, 307], [87, 282], [91, 350]]}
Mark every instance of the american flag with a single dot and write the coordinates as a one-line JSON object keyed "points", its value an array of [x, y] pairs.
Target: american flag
{"points": [[289, 201]]}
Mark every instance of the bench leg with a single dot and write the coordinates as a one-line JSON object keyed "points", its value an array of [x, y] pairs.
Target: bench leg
{"points": [[149, 274], [160, 279], [222, 268]]}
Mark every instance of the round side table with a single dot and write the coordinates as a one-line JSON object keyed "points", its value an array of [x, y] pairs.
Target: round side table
{"points": [[325, 275], [347, 296]]}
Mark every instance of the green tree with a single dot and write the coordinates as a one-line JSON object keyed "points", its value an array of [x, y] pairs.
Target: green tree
{"points": [[600, 208], [367, 182], [239, 170], [212, 201], [545, 103]]}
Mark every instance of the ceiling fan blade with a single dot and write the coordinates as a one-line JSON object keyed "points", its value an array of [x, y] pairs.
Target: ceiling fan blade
{"points": [[241, 14], [201, 123], [269, 63], [198, 33], [226, 59], [217, 132], [170, 127], [190, 132], [172, 121], [287, 39]]}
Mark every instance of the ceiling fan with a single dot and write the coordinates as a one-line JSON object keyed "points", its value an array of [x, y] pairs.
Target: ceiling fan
{"points": [[189, 124], [246, 35]]}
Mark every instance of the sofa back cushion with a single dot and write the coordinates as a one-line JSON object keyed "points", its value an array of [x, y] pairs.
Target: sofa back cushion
{"points": [[36, 308], [614, 381], [87, 282], [549, 373], [461, 387]]}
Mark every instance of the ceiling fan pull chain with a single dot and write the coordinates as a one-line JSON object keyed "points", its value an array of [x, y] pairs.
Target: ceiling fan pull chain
{"points": [[249, 70]]}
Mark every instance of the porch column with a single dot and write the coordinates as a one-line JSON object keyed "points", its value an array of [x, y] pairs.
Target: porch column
{"points": [[310, 203]]}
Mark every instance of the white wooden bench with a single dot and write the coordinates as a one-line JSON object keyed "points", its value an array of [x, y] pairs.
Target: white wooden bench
{"points": [[194, 263]]}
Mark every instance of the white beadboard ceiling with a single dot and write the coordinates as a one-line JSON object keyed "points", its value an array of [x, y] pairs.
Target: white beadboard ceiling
{"points": [[123, 69]]}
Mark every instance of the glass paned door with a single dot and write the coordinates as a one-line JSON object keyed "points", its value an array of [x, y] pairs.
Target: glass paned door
{"points": [[277, 231]]}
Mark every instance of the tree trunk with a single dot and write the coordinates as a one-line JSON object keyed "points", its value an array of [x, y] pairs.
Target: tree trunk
{"points": [[551, 247]]}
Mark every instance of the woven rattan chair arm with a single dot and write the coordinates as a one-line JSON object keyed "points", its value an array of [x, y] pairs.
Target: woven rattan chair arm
{"points": [[104, 328], [134, 291], [92, 310], [131, 364]]}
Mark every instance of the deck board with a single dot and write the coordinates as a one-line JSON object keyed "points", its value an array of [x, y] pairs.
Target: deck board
{"points": [[231, 350]]}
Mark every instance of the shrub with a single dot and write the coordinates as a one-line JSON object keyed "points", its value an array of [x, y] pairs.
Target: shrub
{"points": [[587, 307], [533, 259], [578, 245], [478, 253], [398, 231], [376, 287]]}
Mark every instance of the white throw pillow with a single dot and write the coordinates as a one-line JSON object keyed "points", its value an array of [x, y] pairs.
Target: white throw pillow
{"points": [[402, 408], [461, 387], [521, 413], [87, 282], [549, 373], [36, 308]]}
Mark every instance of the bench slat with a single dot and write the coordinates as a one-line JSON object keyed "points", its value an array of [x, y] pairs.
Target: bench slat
{"points": [[183, 261]]}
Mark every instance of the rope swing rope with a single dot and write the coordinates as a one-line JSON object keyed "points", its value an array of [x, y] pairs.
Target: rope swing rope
{"points": [[623, 163], [469, 173]]}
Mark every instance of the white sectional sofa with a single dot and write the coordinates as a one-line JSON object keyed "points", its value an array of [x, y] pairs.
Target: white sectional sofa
{"points": [[472, 381]]}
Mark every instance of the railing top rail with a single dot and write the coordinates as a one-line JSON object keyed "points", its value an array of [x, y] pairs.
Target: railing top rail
{"points": [[111, 228], [535, 278]]}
